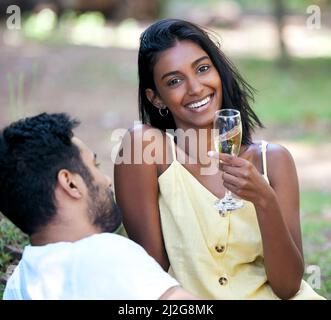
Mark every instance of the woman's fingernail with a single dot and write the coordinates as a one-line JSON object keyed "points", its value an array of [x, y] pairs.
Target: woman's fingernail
{"points": [[210, 153]]}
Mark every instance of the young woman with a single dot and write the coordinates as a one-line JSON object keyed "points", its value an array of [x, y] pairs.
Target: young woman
{"points": [[167, 199]]}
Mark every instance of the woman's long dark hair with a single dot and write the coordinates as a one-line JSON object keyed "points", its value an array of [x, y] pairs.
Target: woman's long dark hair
{"points": [[163, 35]]}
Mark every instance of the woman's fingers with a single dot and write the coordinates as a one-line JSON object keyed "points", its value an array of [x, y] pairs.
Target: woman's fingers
{"points": [[234, 171], [229, 178], [226, 158]]}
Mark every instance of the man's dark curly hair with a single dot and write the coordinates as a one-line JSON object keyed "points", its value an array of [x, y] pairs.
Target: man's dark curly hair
{"points": [[32, 152]]}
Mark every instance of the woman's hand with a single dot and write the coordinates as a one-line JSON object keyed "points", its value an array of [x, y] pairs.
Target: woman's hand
{"points": [[277, 211], [242, 178]]}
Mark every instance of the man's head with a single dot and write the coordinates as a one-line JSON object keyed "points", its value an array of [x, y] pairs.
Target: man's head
{"points": [[40, 159]]}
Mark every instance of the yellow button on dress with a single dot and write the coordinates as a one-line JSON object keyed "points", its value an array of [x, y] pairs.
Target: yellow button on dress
{"points": [[213, 256]]}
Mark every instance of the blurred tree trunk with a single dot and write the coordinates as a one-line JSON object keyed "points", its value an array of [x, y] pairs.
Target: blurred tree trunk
{"points": [[279, 14], [137, 9]]}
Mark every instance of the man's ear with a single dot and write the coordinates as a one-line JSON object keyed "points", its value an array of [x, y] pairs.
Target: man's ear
{"points": [[154, 98], [70, 183]]}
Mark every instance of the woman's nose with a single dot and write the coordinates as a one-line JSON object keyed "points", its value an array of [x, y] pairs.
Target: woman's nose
{"points": [[108, 180], [195, 87]]}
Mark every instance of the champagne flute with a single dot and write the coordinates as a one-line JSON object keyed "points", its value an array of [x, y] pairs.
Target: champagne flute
{"points": [[227, 134]]}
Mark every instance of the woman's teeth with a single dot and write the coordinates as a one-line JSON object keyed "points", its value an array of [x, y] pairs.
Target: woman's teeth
{"points": [[199, 104]]}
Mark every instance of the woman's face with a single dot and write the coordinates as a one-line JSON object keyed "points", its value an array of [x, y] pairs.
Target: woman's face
{"points": [[188, 83]]}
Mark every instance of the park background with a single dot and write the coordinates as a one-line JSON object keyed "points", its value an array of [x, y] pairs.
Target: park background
{"points": [[80, 57]]}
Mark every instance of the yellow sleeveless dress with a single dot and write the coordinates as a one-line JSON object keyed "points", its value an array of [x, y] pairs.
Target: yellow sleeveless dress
{"points": [[213, 256]]}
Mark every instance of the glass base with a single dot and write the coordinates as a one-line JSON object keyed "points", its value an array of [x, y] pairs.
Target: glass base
{"points": [[228, 204]]}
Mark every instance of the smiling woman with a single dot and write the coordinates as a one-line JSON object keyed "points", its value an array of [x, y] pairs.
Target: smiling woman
{"points": [[177, 38], [168, 208], [192, 90]]}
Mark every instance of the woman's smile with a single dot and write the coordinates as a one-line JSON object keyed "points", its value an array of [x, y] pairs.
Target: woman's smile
{"points": [[201, 104]]}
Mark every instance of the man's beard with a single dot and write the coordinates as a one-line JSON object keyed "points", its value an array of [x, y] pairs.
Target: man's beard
{"points": [[103, 210]]}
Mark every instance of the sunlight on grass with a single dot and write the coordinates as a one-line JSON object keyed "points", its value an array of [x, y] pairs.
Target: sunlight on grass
{"points": [[40, 25], [90, 28]]}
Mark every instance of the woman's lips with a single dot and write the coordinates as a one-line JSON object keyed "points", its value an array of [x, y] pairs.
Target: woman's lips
{"points": [[205, 103]]}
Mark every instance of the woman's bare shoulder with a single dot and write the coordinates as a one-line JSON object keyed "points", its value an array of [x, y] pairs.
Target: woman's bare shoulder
{"points": [[276, 155], [278, 152], [280, 163], [147, 143], [273, 149], [145, 134]]}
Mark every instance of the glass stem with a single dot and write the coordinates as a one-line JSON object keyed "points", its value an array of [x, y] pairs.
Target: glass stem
{"points": [[228, 194]]}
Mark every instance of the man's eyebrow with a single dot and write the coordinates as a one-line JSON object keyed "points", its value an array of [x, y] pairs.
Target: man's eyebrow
{"points": [[194, 63]]}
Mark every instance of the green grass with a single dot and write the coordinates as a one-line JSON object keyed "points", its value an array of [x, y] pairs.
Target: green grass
{"points": [[9, 235], [314, 202], [299, 96], [316, 231]]}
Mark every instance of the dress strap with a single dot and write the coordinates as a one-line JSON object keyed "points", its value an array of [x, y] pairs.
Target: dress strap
{"points": [[173, 146], [264, 158]]}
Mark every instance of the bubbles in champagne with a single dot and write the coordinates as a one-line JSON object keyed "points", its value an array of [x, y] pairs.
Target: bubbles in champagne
{"points": [[228, 142]]}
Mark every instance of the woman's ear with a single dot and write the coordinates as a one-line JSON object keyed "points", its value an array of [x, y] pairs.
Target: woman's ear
{"points": [[70, 183], [154, 98]]}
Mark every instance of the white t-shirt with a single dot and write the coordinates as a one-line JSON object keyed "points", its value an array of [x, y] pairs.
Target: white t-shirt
{"points": [[102, 266]]}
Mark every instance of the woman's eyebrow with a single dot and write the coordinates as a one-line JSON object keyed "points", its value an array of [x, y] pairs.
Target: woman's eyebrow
{"points": [[194, 63], [171, 73]]}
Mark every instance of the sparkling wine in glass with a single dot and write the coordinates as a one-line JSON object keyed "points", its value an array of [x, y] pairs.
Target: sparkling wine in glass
{"points": [[227, 134]]}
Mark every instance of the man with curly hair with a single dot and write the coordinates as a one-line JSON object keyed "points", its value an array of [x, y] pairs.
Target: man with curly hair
{"points": [[53, 190]]}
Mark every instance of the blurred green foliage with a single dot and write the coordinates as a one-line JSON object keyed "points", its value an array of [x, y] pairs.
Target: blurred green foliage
{"points": [[291, 5], [299, 6], [298, 95], [41, 25]]}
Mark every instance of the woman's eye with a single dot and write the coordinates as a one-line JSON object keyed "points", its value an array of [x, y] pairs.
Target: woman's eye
{"points": [[203, 68], [173, 82]]}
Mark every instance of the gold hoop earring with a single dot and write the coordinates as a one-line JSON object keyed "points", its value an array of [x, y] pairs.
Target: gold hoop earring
{"points": [[163, 114]]}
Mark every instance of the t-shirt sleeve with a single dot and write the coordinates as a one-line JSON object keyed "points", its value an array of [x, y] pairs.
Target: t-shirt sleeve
{"points": [[113, 267]]}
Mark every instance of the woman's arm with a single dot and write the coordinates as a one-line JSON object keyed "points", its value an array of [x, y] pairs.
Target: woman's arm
{"points": [[277, 208], [279, 220], [136, 188]]}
